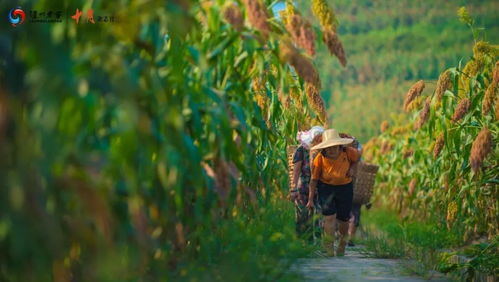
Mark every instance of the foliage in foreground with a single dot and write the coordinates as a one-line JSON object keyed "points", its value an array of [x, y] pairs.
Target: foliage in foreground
{"points": [[259, 246], [152, 147]]}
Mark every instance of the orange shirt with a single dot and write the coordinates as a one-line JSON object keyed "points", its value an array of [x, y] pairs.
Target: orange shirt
{"points": [[334, 172]]}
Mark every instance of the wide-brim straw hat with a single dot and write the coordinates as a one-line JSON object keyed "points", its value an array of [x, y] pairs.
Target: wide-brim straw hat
{"points": [[331, 138]]}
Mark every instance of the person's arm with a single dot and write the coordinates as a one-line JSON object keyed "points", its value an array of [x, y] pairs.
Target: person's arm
{"points": [[311, 193], [316, 172], [353, 156]]}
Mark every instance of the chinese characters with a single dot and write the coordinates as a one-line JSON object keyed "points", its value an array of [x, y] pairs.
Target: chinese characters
{"points": [[90, 18]]}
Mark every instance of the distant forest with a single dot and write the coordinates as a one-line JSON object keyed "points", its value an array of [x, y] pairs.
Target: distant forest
{"points": [[390, 45]]}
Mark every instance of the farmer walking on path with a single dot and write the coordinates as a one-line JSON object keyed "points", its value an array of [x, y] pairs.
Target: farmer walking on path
{"points": [[332, 176], [301, 179]]}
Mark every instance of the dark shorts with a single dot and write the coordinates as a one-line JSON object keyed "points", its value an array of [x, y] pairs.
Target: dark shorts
{"points": [[336, 199], [355, 214]]}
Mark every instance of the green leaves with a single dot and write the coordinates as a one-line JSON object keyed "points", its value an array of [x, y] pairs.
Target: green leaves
{"points": [[451, 169], [221, 46], [167, 132]]}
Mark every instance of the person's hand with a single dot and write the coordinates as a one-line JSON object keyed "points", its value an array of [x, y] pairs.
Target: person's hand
{"points": [[293, 195], [369, 206], [310, 204]]}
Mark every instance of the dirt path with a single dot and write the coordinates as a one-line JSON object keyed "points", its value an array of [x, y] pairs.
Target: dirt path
{"points": [[355, 266]]}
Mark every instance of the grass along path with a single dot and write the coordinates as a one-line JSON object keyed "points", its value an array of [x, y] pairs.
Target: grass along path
{"points": [[357, 265]]}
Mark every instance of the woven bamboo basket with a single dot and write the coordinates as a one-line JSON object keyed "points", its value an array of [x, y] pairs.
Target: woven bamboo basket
{"points": [[290, 150], [364, 182]]}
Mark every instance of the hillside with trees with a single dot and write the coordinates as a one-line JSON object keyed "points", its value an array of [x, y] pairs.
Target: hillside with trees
{"points": [[389, 46]]}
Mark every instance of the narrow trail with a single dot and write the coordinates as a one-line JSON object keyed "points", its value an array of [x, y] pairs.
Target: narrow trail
{"points": [[356, 266]]}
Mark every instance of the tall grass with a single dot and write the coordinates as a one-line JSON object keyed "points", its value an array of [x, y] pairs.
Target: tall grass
{"points": [[250, 247], [428, 247]]}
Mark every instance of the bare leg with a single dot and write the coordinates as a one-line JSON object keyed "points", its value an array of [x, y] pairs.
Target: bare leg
{"points": [[329, 223], [343, 234], [352, 229], [354, 220]]}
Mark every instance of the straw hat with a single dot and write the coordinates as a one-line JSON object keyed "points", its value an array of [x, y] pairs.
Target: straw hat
{"points": [[331, 138]]}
